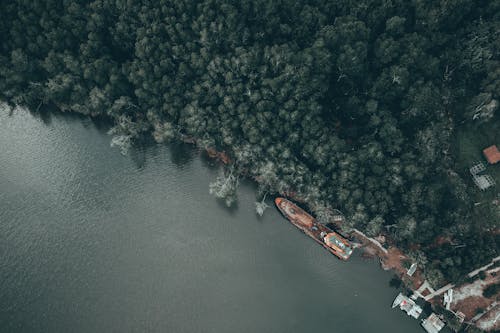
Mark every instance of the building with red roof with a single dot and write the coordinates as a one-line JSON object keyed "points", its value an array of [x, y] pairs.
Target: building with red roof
{"points": [[492, 154]]}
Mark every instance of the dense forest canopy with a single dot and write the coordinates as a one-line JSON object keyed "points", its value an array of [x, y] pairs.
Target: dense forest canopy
{"points": [[347, 104]]}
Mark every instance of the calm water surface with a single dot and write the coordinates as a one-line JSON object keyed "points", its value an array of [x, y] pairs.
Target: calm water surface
{"points": [[93, 241]]}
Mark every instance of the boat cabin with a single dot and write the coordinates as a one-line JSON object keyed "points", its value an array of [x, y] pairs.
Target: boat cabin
{"points": [[332, 240]]}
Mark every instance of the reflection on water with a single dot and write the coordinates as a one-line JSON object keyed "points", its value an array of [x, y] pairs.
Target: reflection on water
{"points": [[93, 241]]}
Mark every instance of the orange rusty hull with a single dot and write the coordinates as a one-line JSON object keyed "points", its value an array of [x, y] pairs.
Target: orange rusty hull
{"points": [[341, 248]]}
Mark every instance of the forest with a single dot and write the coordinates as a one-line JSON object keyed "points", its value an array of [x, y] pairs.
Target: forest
{"points": [[349, 105]]}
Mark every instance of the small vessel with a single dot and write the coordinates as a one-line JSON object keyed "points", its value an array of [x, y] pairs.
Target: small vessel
{"points": [[407, 305], [328, 238]]}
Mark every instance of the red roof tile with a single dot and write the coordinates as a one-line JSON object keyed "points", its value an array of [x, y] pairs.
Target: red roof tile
{"points": [[492, 154]]}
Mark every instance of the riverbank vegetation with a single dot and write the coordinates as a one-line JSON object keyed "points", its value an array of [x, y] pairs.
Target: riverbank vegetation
{"points": [[355, 105]]}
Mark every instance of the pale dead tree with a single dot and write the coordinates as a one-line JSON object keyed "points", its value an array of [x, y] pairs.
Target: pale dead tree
{"points": [[341, 74], [123, 142], [261, 206], [447, 74], [124, 131], [396, 78], [485, 111], [224, 187], [483, 107]]}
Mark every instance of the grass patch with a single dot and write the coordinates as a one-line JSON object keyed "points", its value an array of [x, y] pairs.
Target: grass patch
{"points": [[468, 144]]}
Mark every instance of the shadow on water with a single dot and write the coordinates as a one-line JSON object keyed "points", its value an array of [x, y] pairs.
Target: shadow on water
{"points": [[143, 148], [231, 209], [44, 114], [47, 113], [209, 162], [138, 153], [181, 153], [102, 124], [257, 196], [395, 282], [251, 184]]}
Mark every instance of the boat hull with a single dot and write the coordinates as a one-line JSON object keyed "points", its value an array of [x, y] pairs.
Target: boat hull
{"points": [[308, 225]]}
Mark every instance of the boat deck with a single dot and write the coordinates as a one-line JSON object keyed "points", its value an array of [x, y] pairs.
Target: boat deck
{"points": [[309, 225]]}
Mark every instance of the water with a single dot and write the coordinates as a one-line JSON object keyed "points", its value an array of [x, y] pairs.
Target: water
{"points": [[93, 241]]}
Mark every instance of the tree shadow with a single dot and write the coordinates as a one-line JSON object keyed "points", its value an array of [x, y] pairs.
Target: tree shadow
{"points": [[138, 154], [143, 148], [395, 282], [101, 123], [208, 161], [254, 188], [44, 113], [181, 153], [231, 209]]}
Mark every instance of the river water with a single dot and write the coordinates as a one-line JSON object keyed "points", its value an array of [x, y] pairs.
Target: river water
{"points": [[93, 241]]}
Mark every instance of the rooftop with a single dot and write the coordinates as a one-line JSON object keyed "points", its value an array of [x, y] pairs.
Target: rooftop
{"points": [[407, 305], [412, 269], [448, 299], [433, 324], [492, 154], [484, 181]]}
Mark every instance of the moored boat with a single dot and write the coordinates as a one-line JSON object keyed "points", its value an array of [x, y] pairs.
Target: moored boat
{"points": [[328, 238]]}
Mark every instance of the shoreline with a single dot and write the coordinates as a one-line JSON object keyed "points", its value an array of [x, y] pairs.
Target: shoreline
{"points": [[391, 259]]}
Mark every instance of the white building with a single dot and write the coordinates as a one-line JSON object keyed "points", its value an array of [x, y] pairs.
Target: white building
{"points": [[412, 269], [448, 299], [407, 305], [483, 181], [433, 324]]}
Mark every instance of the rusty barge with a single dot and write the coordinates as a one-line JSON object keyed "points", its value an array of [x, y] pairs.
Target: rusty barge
{"points": [[329, 239]]}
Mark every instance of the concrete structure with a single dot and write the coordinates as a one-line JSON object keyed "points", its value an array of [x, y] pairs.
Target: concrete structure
{"points": [[448, 299], [338, 218], [460, 316], [433, 324], [477, 168], [476, 271], [484, 182], [438, 292]]}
